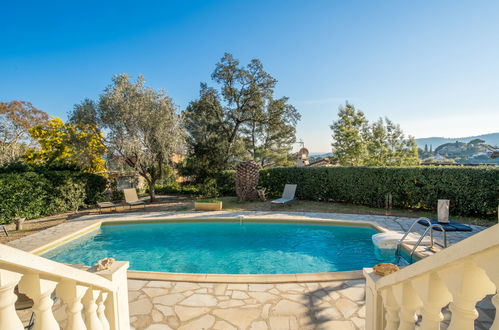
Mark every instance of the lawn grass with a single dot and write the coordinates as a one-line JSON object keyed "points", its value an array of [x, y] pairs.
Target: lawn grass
{"points": [[233, 204]]}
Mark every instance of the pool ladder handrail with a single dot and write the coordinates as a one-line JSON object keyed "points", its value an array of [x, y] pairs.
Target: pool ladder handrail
{"points": [[429, 228]]}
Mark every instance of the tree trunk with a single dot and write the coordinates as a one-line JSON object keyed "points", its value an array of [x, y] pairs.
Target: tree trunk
{"points": [[152, 191]]}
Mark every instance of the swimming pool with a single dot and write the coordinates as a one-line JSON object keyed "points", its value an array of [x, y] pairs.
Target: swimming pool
{"points": [[227, 247]]}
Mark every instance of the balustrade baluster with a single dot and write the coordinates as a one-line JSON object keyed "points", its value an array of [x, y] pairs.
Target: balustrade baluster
{"points": [[91, 318], [72, 294], [489, 261], [8, 315], [101, 308], [434, 295], [409, 303], [467, 284], [392, 308], [40, 290]]}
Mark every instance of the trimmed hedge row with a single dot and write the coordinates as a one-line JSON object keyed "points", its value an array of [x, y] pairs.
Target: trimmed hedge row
{"points": [[35, 192], [222, 183], [472, 191]]}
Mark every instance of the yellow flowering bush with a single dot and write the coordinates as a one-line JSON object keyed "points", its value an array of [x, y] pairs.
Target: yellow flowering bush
{"points": [[64, 143]]}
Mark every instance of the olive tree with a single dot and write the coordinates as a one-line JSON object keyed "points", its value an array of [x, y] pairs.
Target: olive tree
{"points": [[142, 127]]}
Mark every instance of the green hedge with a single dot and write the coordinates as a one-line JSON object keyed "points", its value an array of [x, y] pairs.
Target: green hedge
{"points": [[472, 191], [33, 192], [224, 183]]}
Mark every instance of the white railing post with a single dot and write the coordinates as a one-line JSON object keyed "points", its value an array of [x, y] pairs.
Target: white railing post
{"points": [[391, 309], [467, 284], [434, 294], [490, 263], [72, 294], [409, 303], [101, 310], [8, 315], [40, 290], [374, 302], [116, 304], [90, 302]]}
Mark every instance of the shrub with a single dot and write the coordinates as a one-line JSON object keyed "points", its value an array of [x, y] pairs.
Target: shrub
{"points": [[226, 182], [221, 184], [32, 191], [177, 188], [471, 190]]}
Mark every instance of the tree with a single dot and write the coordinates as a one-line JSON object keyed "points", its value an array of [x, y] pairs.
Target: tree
{"points": [[242, 117], [84, 113], [359, 143], [207, 141], [270, 137], [142, 125], [403, 151], [64, 143], [349, 139], [16, 118]]}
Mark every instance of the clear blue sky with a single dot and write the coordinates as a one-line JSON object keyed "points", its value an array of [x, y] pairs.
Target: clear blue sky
{"points": [[432, 66]]}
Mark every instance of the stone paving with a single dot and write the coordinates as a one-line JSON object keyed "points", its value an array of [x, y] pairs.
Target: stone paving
{"points": [[186, 305]]}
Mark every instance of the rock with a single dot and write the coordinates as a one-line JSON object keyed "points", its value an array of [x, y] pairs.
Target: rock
{"points": [[262, 297], [346, 307], [260, 287], [158, 327], [222, 325], [154, 292], [168, 300], [353, 293], [258, 325], [241, 318], [142, 306], [202, 323], [288, 307], [187, 313], [200, 300], [239, 295]]}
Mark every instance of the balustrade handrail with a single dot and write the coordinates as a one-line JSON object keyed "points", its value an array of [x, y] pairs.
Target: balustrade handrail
{"points": [[23, 262], [480, 242]]}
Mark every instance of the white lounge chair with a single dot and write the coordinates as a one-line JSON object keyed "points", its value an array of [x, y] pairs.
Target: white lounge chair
{"points": [[131, 198], [288, 195]]}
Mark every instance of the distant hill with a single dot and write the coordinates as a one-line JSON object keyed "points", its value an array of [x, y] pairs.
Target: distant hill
{"points": [[492, 139]]}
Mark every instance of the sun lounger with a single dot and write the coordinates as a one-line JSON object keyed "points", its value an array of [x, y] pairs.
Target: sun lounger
{"points": [[131, 198], [2, 227], [288, 195], [106, 205]]}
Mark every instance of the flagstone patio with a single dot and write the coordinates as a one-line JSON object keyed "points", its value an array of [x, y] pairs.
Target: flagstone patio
{"points": [[185, 305]]}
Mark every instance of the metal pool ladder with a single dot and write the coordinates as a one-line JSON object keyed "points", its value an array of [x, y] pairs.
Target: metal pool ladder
{"points": [[430, 227]]}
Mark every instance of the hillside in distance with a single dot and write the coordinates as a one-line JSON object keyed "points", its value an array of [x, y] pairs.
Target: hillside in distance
{"points": [[491, 139]]}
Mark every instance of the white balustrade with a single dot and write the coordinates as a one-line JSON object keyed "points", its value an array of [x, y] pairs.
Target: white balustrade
{"points": [[459, 276], [90, 302], [102, 297], [392, 309], [72, 294], [408, 302], [8, 315], [434, 296], [40, 291], [101, 310]]}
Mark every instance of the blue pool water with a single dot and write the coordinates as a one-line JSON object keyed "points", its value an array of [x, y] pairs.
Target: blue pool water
{"points": [[227, 247]]}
